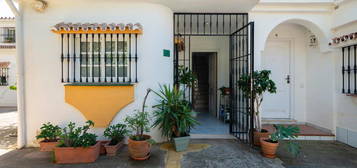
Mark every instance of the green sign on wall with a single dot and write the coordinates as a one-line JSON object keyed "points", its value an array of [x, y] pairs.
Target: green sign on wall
{"points": [[166, 53]]}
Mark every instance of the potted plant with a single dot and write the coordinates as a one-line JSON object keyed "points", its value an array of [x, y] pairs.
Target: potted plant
{"points": [[174, 116], [185, 77], [262, 83], [139, 144], [77, 145], [225, 90], [116, 133], [49, 135], [270, 145]]}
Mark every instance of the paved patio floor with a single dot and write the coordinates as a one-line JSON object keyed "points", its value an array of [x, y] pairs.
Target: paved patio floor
{"points": [[320, 154], [221, 153], [8, 129]]}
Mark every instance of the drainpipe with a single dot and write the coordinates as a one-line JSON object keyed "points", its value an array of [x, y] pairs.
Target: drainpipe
{"points": [[21, 121]]}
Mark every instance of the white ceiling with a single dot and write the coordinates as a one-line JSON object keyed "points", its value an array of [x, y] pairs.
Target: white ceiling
{"points": [[207, 5]]}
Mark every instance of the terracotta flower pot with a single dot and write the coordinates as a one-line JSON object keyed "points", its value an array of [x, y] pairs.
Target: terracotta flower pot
{"points": [[47, 146], [258, 135], [112, 149], [139, 150], [268, 148], [102, 148], [77, 155]]}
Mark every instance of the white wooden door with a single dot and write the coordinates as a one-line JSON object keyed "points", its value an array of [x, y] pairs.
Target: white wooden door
{"points": [[276, 57]]}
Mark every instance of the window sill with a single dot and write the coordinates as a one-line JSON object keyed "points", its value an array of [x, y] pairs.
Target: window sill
{"points": [[99, 84]]}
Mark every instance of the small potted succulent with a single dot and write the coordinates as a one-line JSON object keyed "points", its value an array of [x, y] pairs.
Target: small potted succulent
{"points": [[262, 83], [49, 136], [174, 116], [116, 133], [269, 145], [76, 145], [139, 144]]}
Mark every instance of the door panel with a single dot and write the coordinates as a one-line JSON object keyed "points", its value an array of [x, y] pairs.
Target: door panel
{"points": [[276, 58], [213, 83], [241, 64]]}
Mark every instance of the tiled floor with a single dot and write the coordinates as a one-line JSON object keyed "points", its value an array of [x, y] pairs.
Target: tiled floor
{"points": [[305, 130], [210, 125]]}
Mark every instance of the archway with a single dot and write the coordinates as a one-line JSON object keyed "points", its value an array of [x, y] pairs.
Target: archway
{"points": [[299, 70]]}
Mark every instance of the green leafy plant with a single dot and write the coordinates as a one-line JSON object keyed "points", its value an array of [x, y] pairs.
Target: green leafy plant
{"points": [[261, 84], [139, 122], [286, 133], [173, 113], [73, 136], [116, 133], [49, 132], [186, 76], [224, 90], [13, 87]]}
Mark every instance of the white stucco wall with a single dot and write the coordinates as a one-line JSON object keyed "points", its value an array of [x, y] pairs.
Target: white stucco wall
{"points": [[313, 91], [344, 22], [44, 92]]}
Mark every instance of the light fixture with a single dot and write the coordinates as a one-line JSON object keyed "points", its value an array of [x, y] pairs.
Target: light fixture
{"points": [[39, 5]]}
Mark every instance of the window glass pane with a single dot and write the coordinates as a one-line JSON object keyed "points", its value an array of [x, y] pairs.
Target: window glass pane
{"points": [[120, 43], [123, 71], [107, 71], [84, 71], [96, 59], [110, 48], [85, 46], [96, 72], [96, 46]]}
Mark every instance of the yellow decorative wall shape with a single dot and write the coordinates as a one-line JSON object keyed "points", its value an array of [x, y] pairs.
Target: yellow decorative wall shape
{"points": [[99, 103]]}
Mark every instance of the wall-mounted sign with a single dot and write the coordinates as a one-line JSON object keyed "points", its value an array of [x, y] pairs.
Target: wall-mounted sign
{"points": [[166, 53]]}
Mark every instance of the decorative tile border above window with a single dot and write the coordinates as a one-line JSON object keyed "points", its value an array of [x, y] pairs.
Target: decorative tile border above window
{"points": [[344, 40], [98, 53], [90, 28]]}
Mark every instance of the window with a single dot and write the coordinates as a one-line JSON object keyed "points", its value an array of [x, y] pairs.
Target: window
{"points": [[349, 70], [7, 35], [93, 58]]}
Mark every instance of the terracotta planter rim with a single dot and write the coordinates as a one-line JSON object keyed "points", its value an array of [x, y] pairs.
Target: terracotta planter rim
{"points": [[149, 137], [43, 141], [264, 140], [93, 146], [107, 144]]}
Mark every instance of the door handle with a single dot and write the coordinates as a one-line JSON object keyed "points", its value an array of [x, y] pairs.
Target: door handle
{"points": [[287, 79]]}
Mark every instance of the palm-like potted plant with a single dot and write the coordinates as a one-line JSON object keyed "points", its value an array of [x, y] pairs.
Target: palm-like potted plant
{"points": [[76, 145], [139, 144], [262, 83], [116, 133], [49, 136], [174, 116], [270, 145], [186, 78]]}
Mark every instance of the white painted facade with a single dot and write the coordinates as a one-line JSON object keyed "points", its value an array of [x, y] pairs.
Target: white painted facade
{"points": [[315, 90], [8, 54]]}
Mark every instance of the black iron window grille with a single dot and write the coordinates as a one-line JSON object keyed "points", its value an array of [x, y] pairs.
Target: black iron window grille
{"points": [[4, 76], [7, 35], [99, 58], [349, 69]]}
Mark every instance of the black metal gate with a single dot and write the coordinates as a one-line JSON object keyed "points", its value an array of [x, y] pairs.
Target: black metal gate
{"points": [[239, 33], [241, 63]]}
